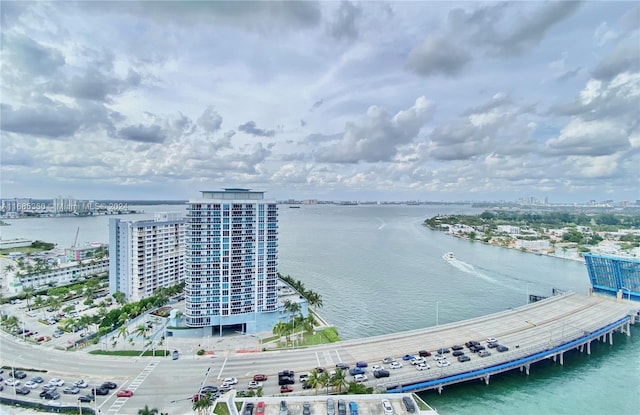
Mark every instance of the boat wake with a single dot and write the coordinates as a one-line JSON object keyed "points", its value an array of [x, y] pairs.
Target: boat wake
{"points": [[382, 224], [470, 269]]}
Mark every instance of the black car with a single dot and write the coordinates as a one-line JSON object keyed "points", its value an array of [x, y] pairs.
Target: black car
{"points": [[248, 409], [491, 345], [457, 353], [38, 379], [424, 353], [109, 385], [408, 403], [306, 408], [502, 348], [286, 380], [100, 391], [381, 373], [443, 350], [212, 389], [457, 347], [342, 407], [342, 366], [19, 374], [23, 390], [463, 358], [288, 373], [85, 398], [50, 395]]}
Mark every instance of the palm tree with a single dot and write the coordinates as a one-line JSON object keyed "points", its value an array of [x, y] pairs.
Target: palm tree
{"points": [[339, 380], [28, 292], [123, 331], [314, 380], [141, 331], [203, 403], [325, 380], [147, 411]]}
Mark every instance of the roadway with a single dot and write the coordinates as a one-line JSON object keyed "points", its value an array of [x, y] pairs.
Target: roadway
{"points": [[168, 384]]}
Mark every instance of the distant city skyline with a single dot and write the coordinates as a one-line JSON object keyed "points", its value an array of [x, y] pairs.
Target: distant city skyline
{"points": [[387, 101]]}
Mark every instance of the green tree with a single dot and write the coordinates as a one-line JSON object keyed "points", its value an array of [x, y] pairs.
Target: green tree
{"points": [[339, 380], [325, 380], [314, 380], [119, 297], [147, 411], [203, 404]]}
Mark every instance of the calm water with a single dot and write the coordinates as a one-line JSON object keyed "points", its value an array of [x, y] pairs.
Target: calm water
{"points": [[379, 271]]}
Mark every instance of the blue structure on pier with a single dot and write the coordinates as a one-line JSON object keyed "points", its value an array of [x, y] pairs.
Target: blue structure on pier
{"points": [[614, 276]]}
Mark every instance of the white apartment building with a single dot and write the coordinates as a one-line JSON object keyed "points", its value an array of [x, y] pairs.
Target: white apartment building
{"points": [[146, 255], [231, 262], [64, 274]]}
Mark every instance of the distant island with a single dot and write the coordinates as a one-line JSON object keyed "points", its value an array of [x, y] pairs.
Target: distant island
{"points": [[562, 234]]}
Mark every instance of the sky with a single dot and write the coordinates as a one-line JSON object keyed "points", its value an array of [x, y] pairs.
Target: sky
{"points": [[333, 100]]}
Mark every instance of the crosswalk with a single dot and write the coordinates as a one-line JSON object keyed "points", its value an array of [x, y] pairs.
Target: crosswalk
{"points": [[135, 384], [328, 358]]}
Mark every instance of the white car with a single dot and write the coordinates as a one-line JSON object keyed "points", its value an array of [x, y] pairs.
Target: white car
{"points": [[386, 406], [31, 384], [388, 360], [395, 365], [417, 360], [360, 378], [230, 381], [81, 384], [492, 340], [12, 382], [439, 356], [254, 385], [56, 382], [443, 363], [377, 367], [423, 366]]}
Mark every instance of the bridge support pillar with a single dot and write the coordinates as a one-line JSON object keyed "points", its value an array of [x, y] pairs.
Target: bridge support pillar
{"points": [[440, 389], [628, 329], [561, 358], [581, 348], [526, 368], [611, 337], [486, 379], [588, 347]]}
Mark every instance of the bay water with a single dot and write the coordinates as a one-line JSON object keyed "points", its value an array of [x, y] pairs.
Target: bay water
{"points": [[379, 271]]}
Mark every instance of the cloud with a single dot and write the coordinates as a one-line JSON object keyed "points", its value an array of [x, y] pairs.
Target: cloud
{"points": [[590, 138], [344, 24], [625, 57], [250, 128], [28, 57], [378, 137], [210, 121], [437, 55], [54, 121], [143, 133]]}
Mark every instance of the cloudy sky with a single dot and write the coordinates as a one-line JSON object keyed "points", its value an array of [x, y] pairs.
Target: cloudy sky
{"points": [[329, 100]]}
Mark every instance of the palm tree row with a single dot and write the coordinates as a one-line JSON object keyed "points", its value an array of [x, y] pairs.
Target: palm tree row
{"points": [[313, 298], [323, 379], [296, 323]]}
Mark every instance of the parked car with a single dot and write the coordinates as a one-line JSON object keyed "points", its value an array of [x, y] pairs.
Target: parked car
{"points": [[124, 393], [306, 408], [303, 377], [395, 365], [85, 398], [356, 371], [388, 360], [331, 406], [353, 408], [360, 378], [56, 382], [12, 382], [248, 409], [386, 407], [382, 373], [377, 367], [37, 379], [408, 403], [342, 407], [408, 357], [457, 347], [286, 388], [31, 384], [443, 363], [424, 353], [71, 391], [259, 377], [230, 381], [254, 385], [109, 385], [51, 395], [284, 408], [81, 384], [260, 408], [23, 390], [342, 365], [19, 374]]}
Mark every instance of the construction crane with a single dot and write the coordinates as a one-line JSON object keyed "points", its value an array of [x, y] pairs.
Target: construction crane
{"points": [[75, 241]]}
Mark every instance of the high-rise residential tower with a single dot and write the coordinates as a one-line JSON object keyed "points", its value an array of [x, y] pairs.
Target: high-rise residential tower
{"points": [[146, 255], [231, 261]]}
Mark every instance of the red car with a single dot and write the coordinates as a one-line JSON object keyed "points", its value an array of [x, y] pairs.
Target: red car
{"points": [[259, 377], [286, 388], [260, 408], [124, 393]]}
